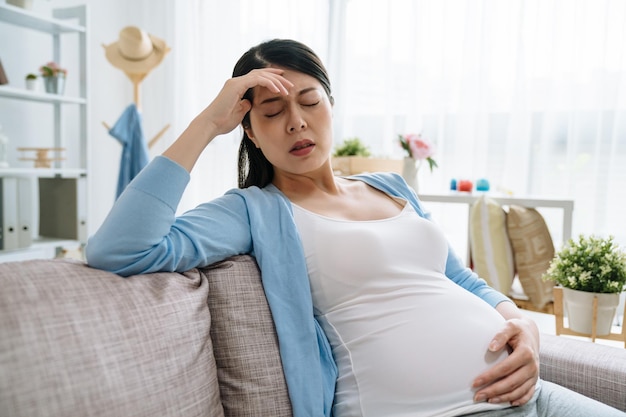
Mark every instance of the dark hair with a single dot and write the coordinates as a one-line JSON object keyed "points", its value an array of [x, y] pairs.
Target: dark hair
{"points": [[254, 168]]}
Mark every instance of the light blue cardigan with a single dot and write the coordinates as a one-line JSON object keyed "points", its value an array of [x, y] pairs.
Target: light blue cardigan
{"points": [[142, 234]]}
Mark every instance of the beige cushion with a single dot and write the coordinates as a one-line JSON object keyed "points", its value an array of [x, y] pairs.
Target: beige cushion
{"points": [[532, 250], [492, 256], [76, 341], [249, 369]]}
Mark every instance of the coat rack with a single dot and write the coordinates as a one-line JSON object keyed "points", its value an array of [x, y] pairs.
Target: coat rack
{"points": [[137, 79]]}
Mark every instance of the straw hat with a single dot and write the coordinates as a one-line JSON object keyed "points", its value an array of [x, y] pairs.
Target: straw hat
{"points": [[136, 51]]}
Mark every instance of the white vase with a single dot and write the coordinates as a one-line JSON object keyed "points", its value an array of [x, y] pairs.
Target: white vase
{"points": [[409, 173], [579, 308]]}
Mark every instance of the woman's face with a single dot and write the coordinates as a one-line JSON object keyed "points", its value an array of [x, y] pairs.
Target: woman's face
{"points": [[294, 131]]}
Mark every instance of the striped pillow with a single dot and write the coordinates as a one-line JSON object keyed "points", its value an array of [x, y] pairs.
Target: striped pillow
{"points": [[491, 253]]}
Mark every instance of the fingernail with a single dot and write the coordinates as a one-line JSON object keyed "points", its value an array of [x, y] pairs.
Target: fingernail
{"points": [[493, 345], [494, 400], [480, 398]]}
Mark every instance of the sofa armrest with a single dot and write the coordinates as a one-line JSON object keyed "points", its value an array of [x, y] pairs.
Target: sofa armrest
{"points": [[596, 371]]}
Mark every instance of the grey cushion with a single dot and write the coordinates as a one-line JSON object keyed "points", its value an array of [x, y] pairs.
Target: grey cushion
{"points": [[75, 341], [594, 370], [249, 369]]}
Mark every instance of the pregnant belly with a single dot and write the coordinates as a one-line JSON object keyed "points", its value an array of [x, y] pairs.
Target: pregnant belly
{"points": [[413, 352]]}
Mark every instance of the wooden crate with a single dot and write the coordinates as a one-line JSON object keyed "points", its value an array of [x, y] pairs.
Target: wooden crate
{"points": [[350, 165]]}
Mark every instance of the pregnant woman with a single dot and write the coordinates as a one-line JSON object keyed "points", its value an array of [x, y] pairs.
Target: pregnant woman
{"points": [[375, 314]]}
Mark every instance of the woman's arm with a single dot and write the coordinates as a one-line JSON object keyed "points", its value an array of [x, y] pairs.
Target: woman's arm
{"points": [[142, 234], [512, 380]]}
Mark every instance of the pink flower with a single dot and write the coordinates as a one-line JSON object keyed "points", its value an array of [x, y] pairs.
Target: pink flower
{"points": [[418, 148], [52, 69]]}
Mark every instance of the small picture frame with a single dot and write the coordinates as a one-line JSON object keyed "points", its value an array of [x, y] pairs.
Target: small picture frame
{"points": [[3, 75]]}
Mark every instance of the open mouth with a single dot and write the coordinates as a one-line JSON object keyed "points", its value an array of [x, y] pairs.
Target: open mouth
{"points": [[301, 146], [297, 148]]}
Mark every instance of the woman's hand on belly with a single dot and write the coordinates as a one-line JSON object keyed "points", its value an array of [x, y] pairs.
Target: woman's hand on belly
{"points": [[512, 380]]}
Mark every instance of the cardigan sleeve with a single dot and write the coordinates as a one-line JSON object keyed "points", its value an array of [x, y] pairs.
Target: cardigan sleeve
{"points": [[142, 234]]}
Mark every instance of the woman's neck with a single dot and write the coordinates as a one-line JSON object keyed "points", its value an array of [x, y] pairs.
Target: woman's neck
{"points": [[298, 186]]}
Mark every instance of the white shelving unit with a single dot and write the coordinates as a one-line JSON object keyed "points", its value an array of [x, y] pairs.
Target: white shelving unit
{"points": [[56, 209], [21, 94]]}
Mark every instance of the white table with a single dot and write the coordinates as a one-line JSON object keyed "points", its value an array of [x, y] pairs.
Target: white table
{"points": [[469, 199]]}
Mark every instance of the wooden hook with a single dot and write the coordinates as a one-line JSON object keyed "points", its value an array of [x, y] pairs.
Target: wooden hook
{"points": [[156, 137]]}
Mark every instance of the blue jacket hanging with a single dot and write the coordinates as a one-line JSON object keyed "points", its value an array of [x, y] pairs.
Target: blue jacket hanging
{"points": [[129, 131]]}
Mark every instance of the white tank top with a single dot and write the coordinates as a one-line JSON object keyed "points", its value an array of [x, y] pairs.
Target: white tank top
{"points": [[407, 340]]}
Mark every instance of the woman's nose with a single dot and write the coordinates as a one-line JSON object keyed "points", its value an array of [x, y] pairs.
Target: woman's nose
{"points": [[296, 122], [298, 128]]}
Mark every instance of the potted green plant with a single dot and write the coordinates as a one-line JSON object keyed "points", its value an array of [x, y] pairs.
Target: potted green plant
{"points": [[352, 147], [589, 267], [353, 157], [31, 81], [53, 77]]}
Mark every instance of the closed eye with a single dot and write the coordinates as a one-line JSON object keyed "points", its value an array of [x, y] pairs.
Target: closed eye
{"points": [[270, 115], [273, 111]]}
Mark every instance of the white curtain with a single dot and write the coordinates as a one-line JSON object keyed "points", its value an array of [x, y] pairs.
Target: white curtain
{"points": [[530, 94], [208, 36]]}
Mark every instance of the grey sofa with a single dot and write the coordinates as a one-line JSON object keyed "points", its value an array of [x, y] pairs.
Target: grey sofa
{"points": [[76, 341]]}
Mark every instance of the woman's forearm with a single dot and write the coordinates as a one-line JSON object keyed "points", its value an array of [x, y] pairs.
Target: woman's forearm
{"points": [[131, 236], [187, 148]]}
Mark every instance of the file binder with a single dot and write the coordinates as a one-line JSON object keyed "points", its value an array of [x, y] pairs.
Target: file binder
{"points": [[25, 215], [9, 213]]}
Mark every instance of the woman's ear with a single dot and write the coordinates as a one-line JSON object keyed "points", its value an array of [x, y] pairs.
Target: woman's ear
{"points": [[250, 135]]}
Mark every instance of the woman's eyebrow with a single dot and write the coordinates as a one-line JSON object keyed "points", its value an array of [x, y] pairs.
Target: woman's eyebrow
{"points": [[276, 98]]}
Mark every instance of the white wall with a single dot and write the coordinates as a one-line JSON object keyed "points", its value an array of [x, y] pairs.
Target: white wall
{"points": [[110, 91]]}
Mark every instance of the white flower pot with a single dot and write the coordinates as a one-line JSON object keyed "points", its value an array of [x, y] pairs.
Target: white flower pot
{"points": [[579, 308], [32, 84]]}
